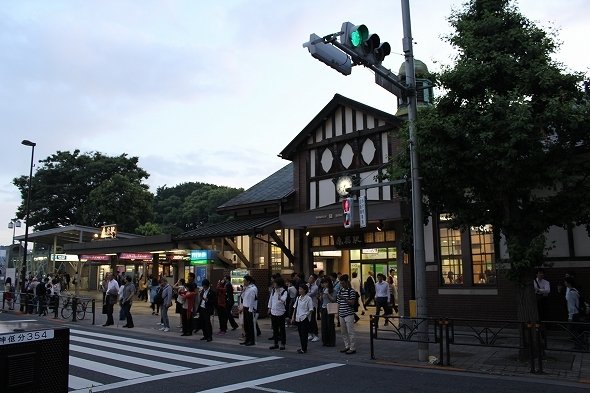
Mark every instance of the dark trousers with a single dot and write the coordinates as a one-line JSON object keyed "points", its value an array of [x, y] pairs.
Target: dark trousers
{"points": [[278, 328], [313, 326], [303, 329], [231, 320], [223, 318], [187, 322], [205, 320], [110, 320], [328, 329], [382, 302], [369, 297], [249, 326], [127, 311]]}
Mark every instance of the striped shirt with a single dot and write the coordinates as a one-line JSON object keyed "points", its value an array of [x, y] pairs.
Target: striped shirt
{"points": [[344, 308]]}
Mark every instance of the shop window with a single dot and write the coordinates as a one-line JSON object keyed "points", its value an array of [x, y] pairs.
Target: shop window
{"points": [[369, 237], [355, 255], [450, 254], [389, 236]]}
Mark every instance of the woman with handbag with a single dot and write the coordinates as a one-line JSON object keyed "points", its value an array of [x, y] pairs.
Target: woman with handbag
{"points": [[301, 315], [328, 310]]}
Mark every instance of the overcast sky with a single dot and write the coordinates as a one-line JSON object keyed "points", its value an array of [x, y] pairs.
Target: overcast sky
{"points": [[207, 91]]}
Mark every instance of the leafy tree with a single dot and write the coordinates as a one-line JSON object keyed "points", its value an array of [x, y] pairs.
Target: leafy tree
{"points": [[189, 205], [507, 142], [86, 189]]}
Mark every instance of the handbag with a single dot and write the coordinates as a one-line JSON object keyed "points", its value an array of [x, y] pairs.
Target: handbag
{"points": [[332, 308]]}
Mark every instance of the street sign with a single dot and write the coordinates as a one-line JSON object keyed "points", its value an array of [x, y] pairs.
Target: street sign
{"points": [[362, 211]]}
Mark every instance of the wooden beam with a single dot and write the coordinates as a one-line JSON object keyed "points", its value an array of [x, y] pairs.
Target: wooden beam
{"points": [[282, 246], [238, 252]]}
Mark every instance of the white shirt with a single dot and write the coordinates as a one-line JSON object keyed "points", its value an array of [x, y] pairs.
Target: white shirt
{"points": [[113, 287], [303, 308], [382, 289], [355, 283], [542, 287], [249, 298], [573, 301], [276, 301]]}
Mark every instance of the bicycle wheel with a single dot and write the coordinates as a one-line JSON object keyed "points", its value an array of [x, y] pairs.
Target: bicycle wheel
{"points": [[66, 311], [80, 311]]}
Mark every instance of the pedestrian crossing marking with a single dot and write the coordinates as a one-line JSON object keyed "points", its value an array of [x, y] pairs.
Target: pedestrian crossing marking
{"points": [[150, 352], [81, 383], [106, 369], [180, 348], [158, 365]]}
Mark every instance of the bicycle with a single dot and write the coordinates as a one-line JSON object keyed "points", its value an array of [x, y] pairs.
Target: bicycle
{"points": [[66, 311]]}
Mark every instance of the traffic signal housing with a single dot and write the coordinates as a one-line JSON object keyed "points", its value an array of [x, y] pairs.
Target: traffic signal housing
{"points": [[347, 209], [367, 46], [329, 54]]}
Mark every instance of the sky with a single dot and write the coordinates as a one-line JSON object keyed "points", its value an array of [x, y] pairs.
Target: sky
{"points": [[202, 91]]}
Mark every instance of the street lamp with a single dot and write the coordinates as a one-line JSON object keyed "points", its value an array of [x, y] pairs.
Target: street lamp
{"points": [[13, 224], [28, 209]]}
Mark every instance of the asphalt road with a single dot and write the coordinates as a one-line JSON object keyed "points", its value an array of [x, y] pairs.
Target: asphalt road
{"points": [[121, 360]]}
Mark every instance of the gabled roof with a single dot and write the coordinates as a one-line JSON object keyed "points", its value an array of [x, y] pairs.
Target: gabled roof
{"points": [[250, 226], [277, 186], [331, 107]]}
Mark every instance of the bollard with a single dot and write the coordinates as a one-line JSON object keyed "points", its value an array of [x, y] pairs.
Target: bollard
{"points": [[74, 308], [448, 342], [371, 323], [93, 311], [541, 350]]}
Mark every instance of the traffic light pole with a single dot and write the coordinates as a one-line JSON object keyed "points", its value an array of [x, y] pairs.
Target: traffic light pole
{"points": [[417, 218]]}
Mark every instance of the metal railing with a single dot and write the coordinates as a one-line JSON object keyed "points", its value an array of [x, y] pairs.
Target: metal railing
{"points": [[55, 305], [531, 338]]}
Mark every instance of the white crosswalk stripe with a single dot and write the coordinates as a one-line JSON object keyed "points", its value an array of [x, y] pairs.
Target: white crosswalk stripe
{"points": [[102, 360]]}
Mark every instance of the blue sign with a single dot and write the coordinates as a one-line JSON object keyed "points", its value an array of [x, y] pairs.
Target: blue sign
{"points": [[200, 273]]}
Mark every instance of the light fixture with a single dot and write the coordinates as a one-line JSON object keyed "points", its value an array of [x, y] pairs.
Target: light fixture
{"points": [[307, 233], [380, 226]]}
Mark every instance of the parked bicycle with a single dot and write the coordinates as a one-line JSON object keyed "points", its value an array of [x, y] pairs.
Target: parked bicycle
{"points": [[67, 308]]}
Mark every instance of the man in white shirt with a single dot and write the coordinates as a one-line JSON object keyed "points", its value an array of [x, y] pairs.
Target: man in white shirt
{"points": [[382, 295], [111, 298], [249, 308], [542, 289]]}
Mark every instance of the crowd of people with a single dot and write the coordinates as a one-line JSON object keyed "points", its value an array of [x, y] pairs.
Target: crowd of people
{"points": [[314, 306], [38, 294]]}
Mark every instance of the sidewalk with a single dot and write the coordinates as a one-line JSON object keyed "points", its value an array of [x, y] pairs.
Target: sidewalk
{"points": [[564, 366]]}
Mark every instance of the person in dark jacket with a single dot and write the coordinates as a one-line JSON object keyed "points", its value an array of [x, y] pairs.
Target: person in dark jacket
{"points": [[208, 301]]}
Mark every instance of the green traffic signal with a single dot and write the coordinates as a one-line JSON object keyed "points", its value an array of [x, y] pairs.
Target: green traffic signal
{"points": [[359, 35]]}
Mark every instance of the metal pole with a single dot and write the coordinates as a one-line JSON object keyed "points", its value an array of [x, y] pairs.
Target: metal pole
{"points": [[418, 227], [28, 210]]}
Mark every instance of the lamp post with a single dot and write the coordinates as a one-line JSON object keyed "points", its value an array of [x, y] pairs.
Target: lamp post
{"points": [[27, 211], [13, 224]]}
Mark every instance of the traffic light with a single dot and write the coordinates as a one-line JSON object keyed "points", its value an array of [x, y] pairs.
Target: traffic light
{"points": [[368, 46], [329, 54], [347, 204]]}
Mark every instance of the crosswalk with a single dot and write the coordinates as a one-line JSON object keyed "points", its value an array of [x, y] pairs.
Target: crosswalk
{"points": [[101, 362]]}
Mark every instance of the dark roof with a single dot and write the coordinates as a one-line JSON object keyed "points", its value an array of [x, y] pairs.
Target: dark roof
{"points": [[250, 226], [336, 102], [277, 186], [69, 234]]}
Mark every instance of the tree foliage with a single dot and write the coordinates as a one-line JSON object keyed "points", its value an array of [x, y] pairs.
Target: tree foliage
{"points": [[507, 142], [86, 189], [190, 205]]}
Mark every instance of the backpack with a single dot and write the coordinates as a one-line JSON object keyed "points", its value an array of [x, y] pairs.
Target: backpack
{"points": [[158, 299]]}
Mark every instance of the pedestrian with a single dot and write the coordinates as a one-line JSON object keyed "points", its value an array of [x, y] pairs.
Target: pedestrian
{"points": [[249, 309], [128, 293], [111, 298], [293, 293], [221, 306], [276, 307], [369, 289], [346, 299], [153, 287], [189, 297], [206, 310], [229, 302], [9, 293], [355, 283], [302, 313], [382, 295], [390, 283], [177, 288], [542, 289], [327, 321], [166, 303], [314, 295]]}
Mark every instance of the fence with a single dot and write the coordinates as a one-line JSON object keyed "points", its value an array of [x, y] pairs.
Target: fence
{"points": [[56, 305], [533, 339]]}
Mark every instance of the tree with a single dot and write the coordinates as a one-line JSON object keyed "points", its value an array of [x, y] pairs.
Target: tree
{"points": [[507, 142], [87, 189], [189, 205]]}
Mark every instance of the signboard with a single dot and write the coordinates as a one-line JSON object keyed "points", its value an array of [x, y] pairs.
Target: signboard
{"points": [[95, 257], [200, 274], [348, 241], [202, 257], [363, 211], [135, 255], [63, 257], [108, 231], [24, 337]]}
